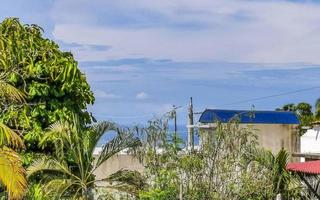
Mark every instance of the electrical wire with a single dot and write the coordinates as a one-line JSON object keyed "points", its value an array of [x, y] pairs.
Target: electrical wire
{"points": [[263, 97], [269, 96], [227, 104], [140, 116]]}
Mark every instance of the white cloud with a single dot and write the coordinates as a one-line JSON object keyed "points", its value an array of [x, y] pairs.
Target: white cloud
{"points": [[237, 31], [105, 95], [142, 95]]}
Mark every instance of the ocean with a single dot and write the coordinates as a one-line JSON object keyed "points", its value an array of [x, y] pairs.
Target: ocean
{"points": [[181, 130]]}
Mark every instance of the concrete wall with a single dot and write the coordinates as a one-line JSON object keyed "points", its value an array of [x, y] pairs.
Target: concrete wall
{"points": [[115, 163], [272, 136], [276, 136]]}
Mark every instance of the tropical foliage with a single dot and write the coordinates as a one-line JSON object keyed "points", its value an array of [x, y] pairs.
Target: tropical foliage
{"points": [[304, 112], [227, 166], [44, 98], [284, 183], [70, 172], [54, 86], [12, 173]]}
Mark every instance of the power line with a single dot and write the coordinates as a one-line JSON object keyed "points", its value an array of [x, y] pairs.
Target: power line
{"points": [[227, 104], [264, 97], [140, 116], [124, 117], [269, 96]]}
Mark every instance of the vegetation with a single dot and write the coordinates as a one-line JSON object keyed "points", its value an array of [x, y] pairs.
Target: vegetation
{"points": [[44, 118], [283, 182], [70, 172], [12, 173], [228, 166], [304, 113], [54, 86]]}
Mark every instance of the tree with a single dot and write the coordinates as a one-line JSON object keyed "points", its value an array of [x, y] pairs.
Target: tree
{"points": [[228, 165], [288, 107], [70, 173], [54, 86], [283, 182], [12, 173], [304, 113], [159, 153]]}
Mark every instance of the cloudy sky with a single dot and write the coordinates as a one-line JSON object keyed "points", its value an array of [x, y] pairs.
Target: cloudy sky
{"points": [[141, 56]]}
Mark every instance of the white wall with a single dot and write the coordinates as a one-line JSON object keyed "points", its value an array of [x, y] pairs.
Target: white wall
{"points": [[309, 143]]}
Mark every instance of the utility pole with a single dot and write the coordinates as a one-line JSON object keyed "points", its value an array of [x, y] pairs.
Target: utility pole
{"points": [[175, 119], [174, 114], [190, 128]]}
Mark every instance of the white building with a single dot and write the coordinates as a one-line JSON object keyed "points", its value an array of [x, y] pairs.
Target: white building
{"points": [[310, 145]]}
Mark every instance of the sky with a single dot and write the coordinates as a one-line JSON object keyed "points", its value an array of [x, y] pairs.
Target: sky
{"points": [[141, 57]]}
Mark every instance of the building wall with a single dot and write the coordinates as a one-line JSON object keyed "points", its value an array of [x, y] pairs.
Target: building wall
{"points": [[276, 136], [271, 136], [115, 163]]}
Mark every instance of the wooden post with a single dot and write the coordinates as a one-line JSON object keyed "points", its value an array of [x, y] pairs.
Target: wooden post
{"points": [[190, 128], [175, 119], [181, 190]]}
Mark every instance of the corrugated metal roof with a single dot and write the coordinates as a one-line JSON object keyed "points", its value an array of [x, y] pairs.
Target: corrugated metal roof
{"points": [[310, 167], [249, 116]]}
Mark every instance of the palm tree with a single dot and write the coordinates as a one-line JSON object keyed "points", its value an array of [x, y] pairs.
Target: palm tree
{"points": [[283, 182], [12, 173], [70, 173]]}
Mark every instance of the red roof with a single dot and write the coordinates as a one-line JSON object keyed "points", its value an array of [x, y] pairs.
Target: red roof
{"points": [[310, 167]]}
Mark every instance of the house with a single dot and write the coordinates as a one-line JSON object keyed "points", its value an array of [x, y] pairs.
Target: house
{"points": [[275, 129], [310, 145]]}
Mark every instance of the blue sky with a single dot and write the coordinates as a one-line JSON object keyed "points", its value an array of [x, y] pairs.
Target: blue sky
{"points": [[141, 56]]}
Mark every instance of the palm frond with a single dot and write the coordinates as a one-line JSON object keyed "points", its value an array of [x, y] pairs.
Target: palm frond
{"points": [[57, 188], [46, 164], [9, 137], [94, 135], [265, 158], [12, 173], [282, 159], [11, 92], [127, 181], [59, 134], [55, 131], [123, 140]]}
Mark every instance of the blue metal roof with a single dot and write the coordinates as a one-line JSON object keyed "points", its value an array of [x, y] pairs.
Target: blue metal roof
{"points": [[249, 116]]}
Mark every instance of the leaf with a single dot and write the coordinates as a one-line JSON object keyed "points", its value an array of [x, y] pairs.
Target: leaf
{"points": [[127, 181], [56, 188], [122, 141], [98, 130], [46, 164], [12, 173], [9, 137], [10, 92]]}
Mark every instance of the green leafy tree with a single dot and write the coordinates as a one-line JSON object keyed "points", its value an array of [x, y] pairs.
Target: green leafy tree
{"points": [[54, 86], [228, 165], [70, 172], [159, 153], [283, 182], [304, 113]]}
